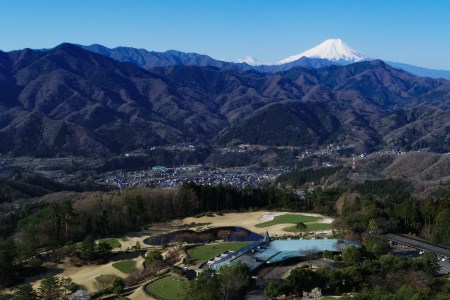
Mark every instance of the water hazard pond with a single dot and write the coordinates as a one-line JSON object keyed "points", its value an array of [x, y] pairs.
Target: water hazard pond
{"points": [[229, 234]]}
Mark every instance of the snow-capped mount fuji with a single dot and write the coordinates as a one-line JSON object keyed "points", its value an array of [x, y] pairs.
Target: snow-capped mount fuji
{"points": [[335, 50]]}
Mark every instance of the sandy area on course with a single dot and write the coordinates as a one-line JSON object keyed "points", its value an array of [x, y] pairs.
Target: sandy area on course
{"points": [[139, 294], [272, 215], [132, 242], [85, 275], [247, 220]]}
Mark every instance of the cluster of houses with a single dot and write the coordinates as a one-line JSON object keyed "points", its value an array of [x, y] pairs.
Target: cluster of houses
{"points": [[172, 177]]}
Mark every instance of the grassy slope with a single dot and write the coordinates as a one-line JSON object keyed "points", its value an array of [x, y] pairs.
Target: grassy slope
{"points": [[114, 243], [168, 288], [106, 278], [125, 266]]}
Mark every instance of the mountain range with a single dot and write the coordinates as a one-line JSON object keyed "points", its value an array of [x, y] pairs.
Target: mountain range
{"points": [[330, 52], [152, 59], [71, 101]]}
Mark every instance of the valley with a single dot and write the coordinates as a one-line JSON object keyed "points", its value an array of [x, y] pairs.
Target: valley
{"points": [[243, 166]]}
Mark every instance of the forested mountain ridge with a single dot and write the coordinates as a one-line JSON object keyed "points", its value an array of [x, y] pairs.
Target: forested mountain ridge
{"points": [[29, 185], [152, 59], [69, 101]]}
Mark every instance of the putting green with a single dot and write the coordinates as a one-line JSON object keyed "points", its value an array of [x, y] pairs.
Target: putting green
{"points": [[168, 288], [107, 278], [309, 227], [200, 254], [125, 266], [288, 219]]}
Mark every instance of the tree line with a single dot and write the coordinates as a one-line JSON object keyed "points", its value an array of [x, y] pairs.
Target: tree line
{"points": [[64, 218], [372, 274], [388, 206]]}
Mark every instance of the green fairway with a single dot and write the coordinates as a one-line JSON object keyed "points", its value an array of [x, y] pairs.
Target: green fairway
{"points": [[125, 266], [114, 243], [309, 227], [168, 288], [107, 278], [288, 219], [203, 253], [124, 239]]}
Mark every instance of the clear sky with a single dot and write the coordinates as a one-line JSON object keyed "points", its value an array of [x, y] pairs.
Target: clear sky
{"points": [[408, 31]]}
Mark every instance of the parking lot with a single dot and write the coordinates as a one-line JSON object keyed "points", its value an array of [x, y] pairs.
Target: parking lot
{"points": [[412, 253], [444, 268]]}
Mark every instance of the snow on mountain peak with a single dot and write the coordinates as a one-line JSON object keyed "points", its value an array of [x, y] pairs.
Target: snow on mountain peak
{"points": [[332, 49], [250, 60]]}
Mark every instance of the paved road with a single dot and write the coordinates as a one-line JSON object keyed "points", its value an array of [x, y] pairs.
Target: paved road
{"points": [[423, 245], [256, 291], [420, 244]]}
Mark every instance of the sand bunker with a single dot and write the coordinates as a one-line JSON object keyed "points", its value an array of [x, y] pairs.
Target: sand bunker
{"points": [[247, 220], [270, 216], [139, 294], [86, 275]]}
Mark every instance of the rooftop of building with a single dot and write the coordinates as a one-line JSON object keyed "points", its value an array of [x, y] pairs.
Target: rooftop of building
{"points": [[267, 251]]}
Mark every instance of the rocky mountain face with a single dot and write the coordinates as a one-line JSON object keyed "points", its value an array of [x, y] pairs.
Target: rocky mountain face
{"points": [[70, 101]]}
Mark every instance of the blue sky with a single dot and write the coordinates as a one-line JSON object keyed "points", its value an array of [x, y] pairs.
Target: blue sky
{"points": [[409, 31]]}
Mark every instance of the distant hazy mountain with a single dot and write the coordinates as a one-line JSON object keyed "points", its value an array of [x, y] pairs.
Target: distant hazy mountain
{"points": [[151, 59], [304, 62], [419, 71], [330, 52], [70, 101], [339, 52]]}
